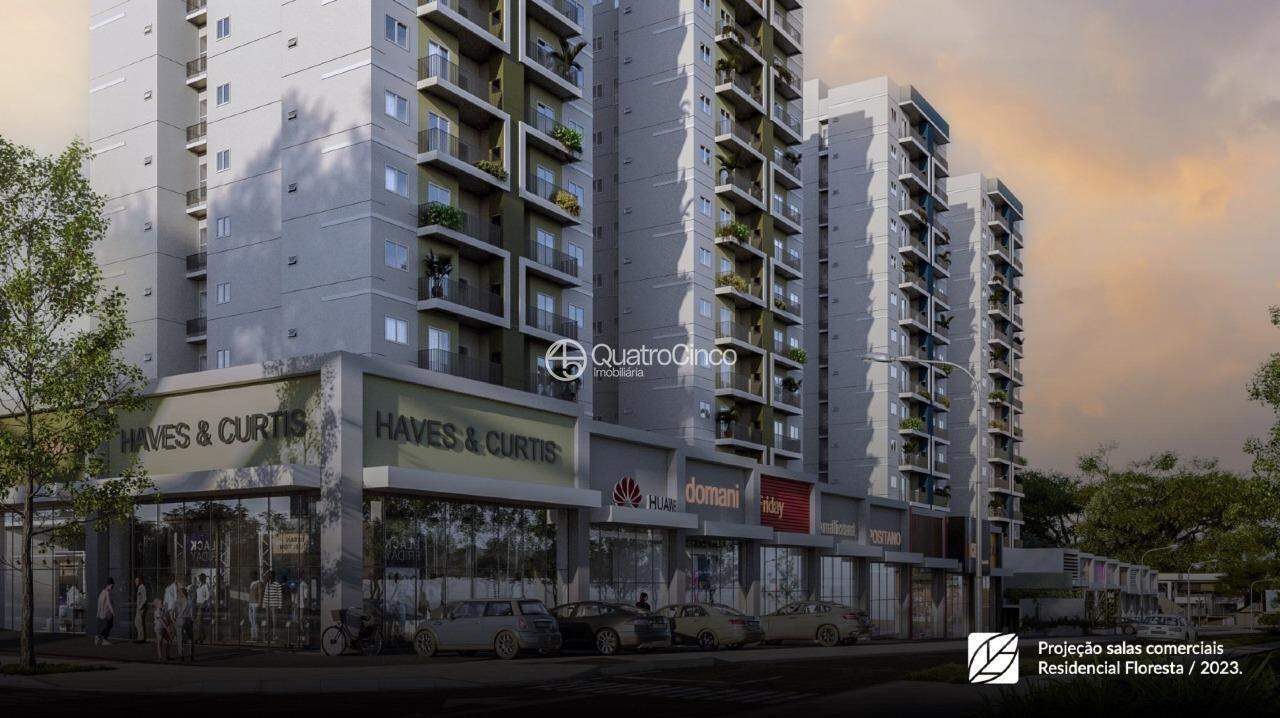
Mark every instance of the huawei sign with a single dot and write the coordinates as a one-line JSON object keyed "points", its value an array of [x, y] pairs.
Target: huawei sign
{"points": [[627, 493]]}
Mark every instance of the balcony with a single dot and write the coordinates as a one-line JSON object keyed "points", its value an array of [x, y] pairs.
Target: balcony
{"points": [[738, 137], [741, 385], [913, 143], [460, 365], [786, 80], [786, 309], [742, 291], [913, 213], [464, 89], [789, 124], [463, 162], [741, 42], [553, 137], [475, 239], [788, 33], [198, 12], [739, 91], [552, 323], [787, 399], [553, 263], [552, 200], [786, 260], [911, 174], [740, 336], [477, 30], [786, 165], [197, 201], [913, 319], [198, 137], [562, 16], [914, 461], [740, 239], [782, 354], [742, 188], [468, 303], [789, 445], [734, 435], [786, 213], [197, 265], [542, 383], [552, 73], [998, 222], [197, 73], [197, 330]]}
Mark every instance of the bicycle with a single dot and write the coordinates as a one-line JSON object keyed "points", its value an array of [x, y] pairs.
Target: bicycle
{"points": [[352, 629]]}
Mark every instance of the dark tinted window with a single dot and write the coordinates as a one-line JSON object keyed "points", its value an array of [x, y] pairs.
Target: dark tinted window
{"points": [[533, 608], [498, 608], [693, 611], [469, 609], [562, 611]]}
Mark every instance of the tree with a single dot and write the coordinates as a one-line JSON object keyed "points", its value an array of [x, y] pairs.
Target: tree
{"points": [[1052, 508], [1265, 389], [62, 382]]}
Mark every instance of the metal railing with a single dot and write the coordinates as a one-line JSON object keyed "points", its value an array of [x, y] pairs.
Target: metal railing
{"points": [[724, 233], [477, 12], [549, 321], [549, 126], [460, 365], [197, 131], [738, 432], [784, 116], [740, 332], [786, 255], [197, 326], [571, 10], [913, 171], [552, 192], [782, 206], [730, 126], [438, 68], [786, 304], [739, 381], [197, 262], [780, 158], [790, 397], [740, 81], [789, 23], [741, 34], [193, 5], [551, 257], [197, 66], [461, 293], [539, 381], [552, 62], [437, 140], [462, 222], [787, 443], [744, 181], [198, 195]]}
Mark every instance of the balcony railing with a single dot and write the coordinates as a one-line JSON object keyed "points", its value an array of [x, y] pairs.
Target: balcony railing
{"points": [[460, 365], [559, 325], [745, 181], [789, 23], [197, 327], [437, 213], [919, 460], [437, 140], [540, 382], [197, 131], [438, 68], [742, 35], [730, 126], [197, 66], [740, 332], [568, 8], [476, 11], [791, 166], [790, 397], [739, 381], [197, 195], [740, 81], [461, 293], [730, 232], [197, 262], [193, 5], [548, 59], [552, 127], [555, 194], [784, 116], [739, 432], [784, 207], [551, 257], [786, 304], [789, 256], [787, 443]]}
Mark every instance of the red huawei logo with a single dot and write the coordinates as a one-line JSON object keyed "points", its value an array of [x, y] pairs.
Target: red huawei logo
{"points": [[627, 493]]}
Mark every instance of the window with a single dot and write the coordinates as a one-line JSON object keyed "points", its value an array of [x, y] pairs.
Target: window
{"points": [[704, 308], [224, 27], [397, 32], [576, 190], [224, 292], [704, 409], [546, 303], [223, 93], [725, 266], [439, 340], [223, 358], [706, 5], [704, 256], [223, 228], [397, 181], [396, 255], [576, 252], [436, 193], [395, 330], [397, 107], [704, 206], [704, 104], [704, 52], [577, 314], [224, 160], [704, 155]]}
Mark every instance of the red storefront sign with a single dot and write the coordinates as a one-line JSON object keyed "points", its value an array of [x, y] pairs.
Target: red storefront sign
{"points": [[784, 505]]}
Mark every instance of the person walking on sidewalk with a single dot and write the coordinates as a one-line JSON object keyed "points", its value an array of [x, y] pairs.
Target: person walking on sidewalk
{"points": [[184, 616], [139, 610], [106, 614], [163, 630], [255, 600], [273, 601]]}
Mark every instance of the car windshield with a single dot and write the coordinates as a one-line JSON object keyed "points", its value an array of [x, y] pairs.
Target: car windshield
{"points": [[725, 610], [533, 608]]}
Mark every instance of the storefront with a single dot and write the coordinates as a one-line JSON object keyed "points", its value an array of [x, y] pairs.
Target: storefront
{"points": [[58, 577], [888, 590], [789, 565], [843, 572], [720, 554]]}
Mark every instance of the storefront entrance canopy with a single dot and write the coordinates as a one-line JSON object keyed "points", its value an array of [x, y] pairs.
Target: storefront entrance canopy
{"points": [[435, 483]]}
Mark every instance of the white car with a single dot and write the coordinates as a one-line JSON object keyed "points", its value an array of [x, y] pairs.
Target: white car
{"points": [[1167, 628]]}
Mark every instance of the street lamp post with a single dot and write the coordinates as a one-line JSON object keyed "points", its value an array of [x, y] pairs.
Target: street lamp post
{"points": [[979, 484]]}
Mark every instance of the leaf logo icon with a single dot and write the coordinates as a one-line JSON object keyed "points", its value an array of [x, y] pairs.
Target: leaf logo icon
{"points": [[993, 658], [627, 493]]}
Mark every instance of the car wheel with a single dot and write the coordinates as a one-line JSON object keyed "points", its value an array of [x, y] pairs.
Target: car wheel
{"points": [[333, 642], [425, 644], [707, 641], [828, 636], [506, 645], [607, 642]]}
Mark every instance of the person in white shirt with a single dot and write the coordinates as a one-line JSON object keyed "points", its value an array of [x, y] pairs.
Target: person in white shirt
{"points": [[163, 629], [183, 616], [255, 601], [140, 610], [203, 607], [106, 614]]}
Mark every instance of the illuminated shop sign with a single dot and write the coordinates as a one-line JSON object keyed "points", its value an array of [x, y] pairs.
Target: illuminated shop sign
{"points": [[784, 505], [627, 493]]}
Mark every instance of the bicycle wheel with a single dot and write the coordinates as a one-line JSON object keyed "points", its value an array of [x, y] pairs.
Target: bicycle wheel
{"points": [[334, 641]]}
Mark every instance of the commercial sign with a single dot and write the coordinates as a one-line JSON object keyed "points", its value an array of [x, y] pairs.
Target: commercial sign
{"points": [[424, 427], [632, 474], [233, 428], [838, 516], [627, 493], [784, 505], [884, 527], [715, 492]]}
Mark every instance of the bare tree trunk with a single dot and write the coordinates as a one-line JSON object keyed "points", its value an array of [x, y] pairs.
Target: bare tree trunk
{"points": [[27, 642]]}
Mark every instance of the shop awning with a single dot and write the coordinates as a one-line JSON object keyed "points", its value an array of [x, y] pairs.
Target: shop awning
{"points": [[721, 529], [644, 517], [482, 488], [946, 564], [273, 477], [789, 538], [853, 548], [903, 557]]}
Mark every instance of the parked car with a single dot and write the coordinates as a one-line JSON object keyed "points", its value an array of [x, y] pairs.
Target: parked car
{"points": [[1167, 628], [711, 625], [828, 623], [1129, 624], [611, 627], [505, 626]]}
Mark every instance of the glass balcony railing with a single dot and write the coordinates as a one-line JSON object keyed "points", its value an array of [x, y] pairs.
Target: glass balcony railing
{"points": [[460, 293], [197, 131], [460, 365], [197, 262], [539, 381], [741, 332], [740, 381], [549, 60], [549, 256], [549, 321], [740, 81], [739, 432], [450, 217], [197, 66], [436, 67]]}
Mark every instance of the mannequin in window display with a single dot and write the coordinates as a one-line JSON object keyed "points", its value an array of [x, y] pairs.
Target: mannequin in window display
{"points": [[273, 601]]}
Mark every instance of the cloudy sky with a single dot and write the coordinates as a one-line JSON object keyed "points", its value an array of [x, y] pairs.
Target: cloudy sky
{"points": [[1143, 138]]}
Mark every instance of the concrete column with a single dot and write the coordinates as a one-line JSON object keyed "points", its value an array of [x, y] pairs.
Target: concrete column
{"points": [[573, 553], [96, 564], [339, 511], [750, 573], [813, 573]]}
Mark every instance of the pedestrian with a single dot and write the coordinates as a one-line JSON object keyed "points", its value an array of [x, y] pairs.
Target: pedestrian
{"points": [[643, 603], [273, 601], [106, 614], [255, 600], [185, 619], [139, 610], [204, 606], [163, 629]]}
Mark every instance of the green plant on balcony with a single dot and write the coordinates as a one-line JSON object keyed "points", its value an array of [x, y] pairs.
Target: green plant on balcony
{"points": [[791, 384], [1020, 460], [945, 401], [731, 279], [731, 31], [566, 201], [797, 355], [946, 369], [725, 64], [944, 258], [445, 215], [736, 230], [569, 137], [493, 167], [999, 395], [784, 73], [944, 320], [997, 424], [437, 268], [569, 51], [912, 423], [780, 303]]}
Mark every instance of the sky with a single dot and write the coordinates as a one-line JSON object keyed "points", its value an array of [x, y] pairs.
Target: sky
{"points": [[1142, 137]]}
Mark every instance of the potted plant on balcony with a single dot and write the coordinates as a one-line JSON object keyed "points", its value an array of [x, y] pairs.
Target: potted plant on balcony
{"points": [[437, 269], [726, 418], [736, 230], [797, 355], [944, 320], [728, 165], [568, 53], [912, 423], [791, 384], [784, 73], [792, 156], [445, 215], [731, 279], [780, 303], [493, 167], [569, 137], [998, 395], [566, 201], [724, 66]]}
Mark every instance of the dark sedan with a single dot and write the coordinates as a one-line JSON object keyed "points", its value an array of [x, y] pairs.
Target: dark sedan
{"points": [[610, 627]]}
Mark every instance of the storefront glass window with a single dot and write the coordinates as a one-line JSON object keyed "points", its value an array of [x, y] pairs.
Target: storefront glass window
{"points": [[839, 581], [58, 576], [714, 572], [924, 608], [884, 598], [957, 606], [783, 575], [626, 561]]}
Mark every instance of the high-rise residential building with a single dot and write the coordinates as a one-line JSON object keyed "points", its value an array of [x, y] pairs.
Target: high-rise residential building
{"points": [[985, 222], [698, 217], [877, 150], [391, 180]]}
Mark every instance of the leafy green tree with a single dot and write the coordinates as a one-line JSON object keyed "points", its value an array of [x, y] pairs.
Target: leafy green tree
{"points": [[1052, 507], [62, 382], [1265, 389]]}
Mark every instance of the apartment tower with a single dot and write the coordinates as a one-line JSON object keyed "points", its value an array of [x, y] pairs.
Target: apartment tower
{"points": [[392, 180], [698, 219], [985, 222]]}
